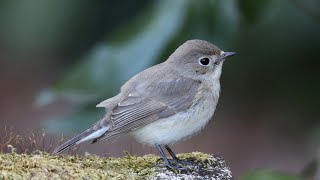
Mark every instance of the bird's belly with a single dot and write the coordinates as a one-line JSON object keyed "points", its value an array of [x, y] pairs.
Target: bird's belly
{"points": [[177, 127]]}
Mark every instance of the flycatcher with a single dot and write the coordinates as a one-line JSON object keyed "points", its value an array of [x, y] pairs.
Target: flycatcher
{"points": [[165, 103]]}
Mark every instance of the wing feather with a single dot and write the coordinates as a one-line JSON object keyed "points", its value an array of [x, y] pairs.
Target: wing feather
{"points": [[158, 101]]}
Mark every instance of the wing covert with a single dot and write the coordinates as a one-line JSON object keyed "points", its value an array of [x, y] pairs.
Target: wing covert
{"points": [[158, 101]]}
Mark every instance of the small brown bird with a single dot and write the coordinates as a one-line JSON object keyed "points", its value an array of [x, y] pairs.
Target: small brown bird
{"points": [[165, 103]]}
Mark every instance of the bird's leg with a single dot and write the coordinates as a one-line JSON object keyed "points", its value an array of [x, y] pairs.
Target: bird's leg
{"points": [[175, 158], [166, 161]]}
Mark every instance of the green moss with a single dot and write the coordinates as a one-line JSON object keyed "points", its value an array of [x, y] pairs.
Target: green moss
{"points": [[22, 166]]}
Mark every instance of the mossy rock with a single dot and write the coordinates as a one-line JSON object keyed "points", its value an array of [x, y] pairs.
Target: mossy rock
{"points": [[47, 166]]}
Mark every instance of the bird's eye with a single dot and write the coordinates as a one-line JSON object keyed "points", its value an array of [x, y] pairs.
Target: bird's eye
{"points": [[204, 61]]}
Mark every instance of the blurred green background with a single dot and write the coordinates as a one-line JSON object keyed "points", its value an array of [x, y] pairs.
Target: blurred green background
{"points": [[58, 59]]}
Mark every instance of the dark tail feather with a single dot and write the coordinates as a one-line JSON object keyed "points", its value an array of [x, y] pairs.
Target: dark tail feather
{"points": [[72, 141]]}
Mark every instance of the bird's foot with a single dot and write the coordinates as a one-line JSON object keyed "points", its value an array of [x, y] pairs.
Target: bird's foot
{"points": [[175, 164], [171, 166], [181, 162]]}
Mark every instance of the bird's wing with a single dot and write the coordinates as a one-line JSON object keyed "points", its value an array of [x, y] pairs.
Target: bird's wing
{"points": [[144, 105]]}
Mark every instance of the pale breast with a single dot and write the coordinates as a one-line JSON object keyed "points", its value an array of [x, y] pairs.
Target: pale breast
{"points": [[183, 124]]}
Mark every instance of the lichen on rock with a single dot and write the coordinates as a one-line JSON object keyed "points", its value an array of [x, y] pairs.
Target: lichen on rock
{"points": [[46, 166]]}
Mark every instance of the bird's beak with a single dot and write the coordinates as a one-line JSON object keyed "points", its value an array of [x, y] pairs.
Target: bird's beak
{"points": [[227, 54]]}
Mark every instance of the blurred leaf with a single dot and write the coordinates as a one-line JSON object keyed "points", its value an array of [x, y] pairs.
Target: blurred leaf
{"points": [[268, 175], [309, 7], [215, 21], [256, 11], [78, 121], [34, 25], [108, 65], [75, 97], [60, 28]]}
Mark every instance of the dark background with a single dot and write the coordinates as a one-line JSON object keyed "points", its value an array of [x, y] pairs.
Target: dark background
{"points": [[58, 59]]}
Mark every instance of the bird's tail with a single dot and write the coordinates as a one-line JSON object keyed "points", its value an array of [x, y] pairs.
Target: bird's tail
{"points": [[84, 136]]}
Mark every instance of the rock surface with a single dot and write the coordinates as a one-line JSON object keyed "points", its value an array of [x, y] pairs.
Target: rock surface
{"points": [[46, 166]]}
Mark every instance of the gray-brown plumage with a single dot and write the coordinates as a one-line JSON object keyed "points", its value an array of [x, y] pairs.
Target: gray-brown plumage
{"points": [[164, 103]]}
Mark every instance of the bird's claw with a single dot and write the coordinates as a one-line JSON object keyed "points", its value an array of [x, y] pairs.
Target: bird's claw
{"points": [[170, 166], [175, 164], [182, 162]]}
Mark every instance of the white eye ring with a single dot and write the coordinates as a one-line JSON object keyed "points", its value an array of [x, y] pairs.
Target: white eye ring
{"points": [[204, 61]]}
